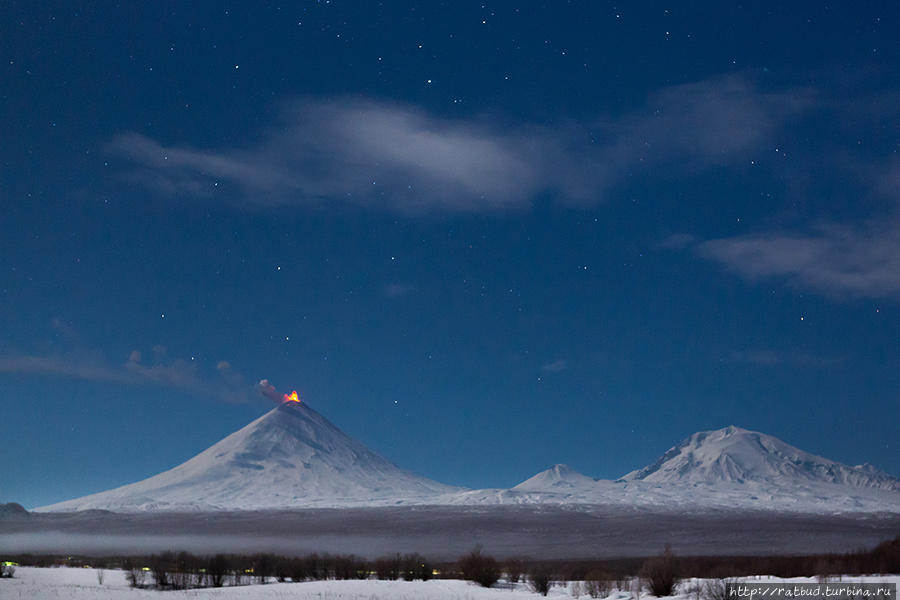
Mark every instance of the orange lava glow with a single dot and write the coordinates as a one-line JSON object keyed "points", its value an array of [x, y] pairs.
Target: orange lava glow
{"points": [[293, 397]]}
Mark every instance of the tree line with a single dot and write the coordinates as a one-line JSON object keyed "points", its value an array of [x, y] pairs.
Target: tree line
{"points": [[658, 574]]}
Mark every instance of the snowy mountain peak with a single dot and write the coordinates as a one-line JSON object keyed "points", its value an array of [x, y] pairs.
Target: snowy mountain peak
{"points": [[288, 458], [736, 455], [557, 478], [733, 430]]}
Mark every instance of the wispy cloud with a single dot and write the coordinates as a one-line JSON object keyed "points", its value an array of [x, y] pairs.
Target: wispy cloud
{"points": [[224, 383], [859, 258], [555, 366], [836, 260], [705, 123], [771, 358], [62, 366], [398, 289], [400, 157]]}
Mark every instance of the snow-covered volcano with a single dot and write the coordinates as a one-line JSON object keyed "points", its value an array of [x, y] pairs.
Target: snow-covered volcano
{"points": [[729, 468], [562, 478], [290, 457], [735, 455]]}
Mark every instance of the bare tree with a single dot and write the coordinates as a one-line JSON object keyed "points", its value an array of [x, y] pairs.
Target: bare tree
{"points": [[134, 573], [101, 573], [388, 567], [162, 566], [263, 566], [514, 569], [216, 569], [482, 569]]}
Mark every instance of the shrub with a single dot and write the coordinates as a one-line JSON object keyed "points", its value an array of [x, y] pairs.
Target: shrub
{"points": [[885, 558], [346, 567], [416, 567], [181, 576], [134, 573], [263, 566], [660, 574], [162, 566], [482, 569], [388, 567], [598, 584], [514, 570], [716, 589], [217, 567], [540, 581]]}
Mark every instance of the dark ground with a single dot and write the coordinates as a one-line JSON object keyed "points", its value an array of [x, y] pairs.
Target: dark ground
{"points": [[444, 533]]}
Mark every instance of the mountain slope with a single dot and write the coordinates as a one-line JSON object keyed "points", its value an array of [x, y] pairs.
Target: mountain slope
{"points": [[729, 468], [558, 478], [290, 457], [735, 455]]}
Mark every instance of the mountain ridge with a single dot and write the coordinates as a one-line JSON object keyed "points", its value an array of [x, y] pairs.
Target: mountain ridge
{"points": [[293, 457], [737, 455]]}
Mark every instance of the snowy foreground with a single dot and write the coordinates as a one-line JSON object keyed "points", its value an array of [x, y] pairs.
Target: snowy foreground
{"points": [[31, 583]]}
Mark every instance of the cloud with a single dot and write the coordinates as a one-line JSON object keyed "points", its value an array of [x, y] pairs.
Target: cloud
{"points": [[398, 290], [183, 375], [402, 158], [62, 366], [855, 258], [678, 241], [556, 366], [836, 260], [771, 358], [178, 373], [64, 328], [705, 123]]}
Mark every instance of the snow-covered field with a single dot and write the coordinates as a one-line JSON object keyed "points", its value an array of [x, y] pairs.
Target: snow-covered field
{"points": [[31, 583]]}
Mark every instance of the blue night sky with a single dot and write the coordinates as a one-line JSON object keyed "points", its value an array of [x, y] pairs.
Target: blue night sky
{"points": [[482, 238]]}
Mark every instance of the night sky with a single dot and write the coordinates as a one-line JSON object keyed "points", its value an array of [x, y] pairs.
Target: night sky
{"points": [[482, 238]]}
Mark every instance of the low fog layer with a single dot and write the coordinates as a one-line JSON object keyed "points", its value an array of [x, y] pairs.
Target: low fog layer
{"points": [[447, 532]]}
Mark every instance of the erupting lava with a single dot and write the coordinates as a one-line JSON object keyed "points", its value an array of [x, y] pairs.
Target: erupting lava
{"points": [[292, 397]]}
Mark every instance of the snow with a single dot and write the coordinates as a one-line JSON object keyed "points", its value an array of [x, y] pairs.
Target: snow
{"points": [[736, 455], [812, 498], [725, 468], [32, 583], [292, 457], [556, 478]]}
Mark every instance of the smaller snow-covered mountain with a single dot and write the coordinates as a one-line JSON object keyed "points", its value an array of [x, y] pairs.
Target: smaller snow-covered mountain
{"points": [[735, 455], [730, 468], [558, 478], [290, 457]]}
